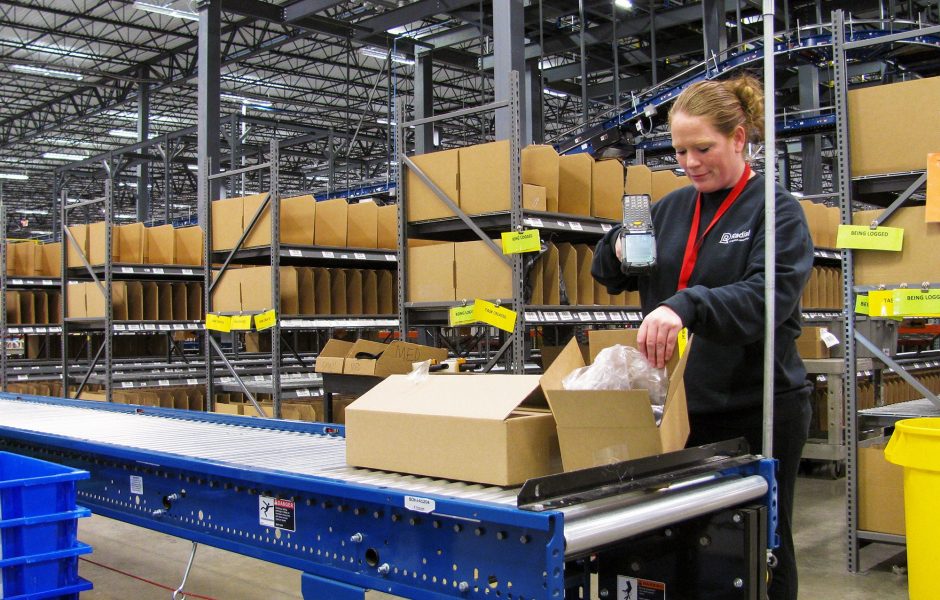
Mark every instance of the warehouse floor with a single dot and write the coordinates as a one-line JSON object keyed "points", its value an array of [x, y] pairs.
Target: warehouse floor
{"points": [[130, 562]]}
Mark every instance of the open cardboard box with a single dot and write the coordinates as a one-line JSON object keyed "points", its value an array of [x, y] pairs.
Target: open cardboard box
{"points": [[597, 427], [394, 358], [492, 429], [333, 356]]}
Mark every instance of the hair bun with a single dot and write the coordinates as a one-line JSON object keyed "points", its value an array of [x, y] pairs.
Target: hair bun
{"points": [[750, 93]]}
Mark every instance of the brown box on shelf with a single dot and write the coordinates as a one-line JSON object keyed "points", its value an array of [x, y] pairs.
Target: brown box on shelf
{"points": [[810, 343], [227, 223], [41, 308], [443, 169], [535, 283], [330, 229], [484, 177], [151, 300], [96, 243], [50, 260], [75, 307], [80, 233], [132, 241], [298, 215], [27, 308], [180, 302], [662, 183], [533, 197], [22, 259], [13, 308], [915, 263], [194, 302], [370, 292], [431, 273], [387, 293], [256, 290], [227, 292], [585, 256], [911, 108], [597, 427], [353, 291], [568, 265], [480, 272], [332, 356], [394, 358], [575, 177], [306, 292], [639, 180], [362, 225], [933, 187], [387, 227], [601, 296], [134, 292], [188, 245], [880, 492], [607, 190], [540, 166], [161, 245], [491, 429], [338, 292], [321, 287], [551, 276]]}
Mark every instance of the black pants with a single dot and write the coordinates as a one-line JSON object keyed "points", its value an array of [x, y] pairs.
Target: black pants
{"points": [[791, 427]]}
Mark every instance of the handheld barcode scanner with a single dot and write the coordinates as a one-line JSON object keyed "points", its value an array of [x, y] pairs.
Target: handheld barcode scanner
{"points": [[637, 238]]}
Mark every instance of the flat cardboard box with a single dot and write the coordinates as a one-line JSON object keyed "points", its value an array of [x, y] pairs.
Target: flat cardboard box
{"points": [[135, 300], [431, 273], [321, 286], [575, 178], [24, 258], [585, 256], [387, 227], [73, 254], [662, 183], [639, 180], [480, 272], [227, 292], [568, 265], [387, 292], [491, 429], [256, 290], [917, 260], [597, 427], [484, 177], [194, 302], [551, 276], [535, 282], [810, 343], [442, 168], [51, 260], [353, 291], [607, 190], [533, 197], [362, 225], [370, 292], [75, 307], [330, 228], [540, 166], [913, 113], [332, 356], [161, 245], [396, 357], [227, 225], [96, 243], [306, 291], [880, 492], [132, 241], [13, 308], [338, 292], [188, 245], [298, 216]]}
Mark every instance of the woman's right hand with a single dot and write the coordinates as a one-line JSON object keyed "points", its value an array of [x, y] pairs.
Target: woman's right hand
{"points": [[618, 248]]}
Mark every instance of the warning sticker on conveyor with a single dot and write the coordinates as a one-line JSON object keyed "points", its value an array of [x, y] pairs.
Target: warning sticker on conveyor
{"points": [[275, 512], [632, 588]]}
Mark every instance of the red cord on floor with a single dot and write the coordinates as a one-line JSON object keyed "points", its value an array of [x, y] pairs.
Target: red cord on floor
{"points": [[153, 583]]}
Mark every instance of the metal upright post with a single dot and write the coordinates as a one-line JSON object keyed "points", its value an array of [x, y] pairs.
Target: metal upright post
{"points": [[205, 221], [402, 194], [843, 181], [108, 281], [63, 282], [3, 299], [770, 229], [517, 358], [275, 203]]}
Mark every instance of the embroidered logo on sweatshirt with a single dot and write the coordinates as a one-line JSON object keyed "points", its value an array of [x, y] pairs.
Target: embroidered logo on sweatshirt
{"points": [[730, 238]]}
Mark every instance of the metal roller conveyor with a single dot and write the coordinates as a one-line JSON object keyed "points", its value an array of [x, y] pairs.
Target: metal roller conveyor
{"points": [[281, 491]]}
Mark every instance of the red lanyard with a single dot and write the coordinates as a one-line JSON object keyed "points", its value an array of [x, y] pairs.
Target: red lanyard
{"points": [[692, 245]]}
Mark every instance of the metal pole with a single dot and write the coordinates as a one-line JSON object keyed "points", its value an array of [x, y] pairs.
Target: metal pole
{"points": [[584, 86], [3, 298], [275, 204], [615, 49], [770, 228], [108, 283]]}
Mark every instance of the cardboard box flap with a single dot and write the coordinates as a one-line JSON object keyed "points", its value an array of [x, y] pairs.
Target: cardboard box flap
{"points": [[602, 338], [490, 397], [568, 360], [335, 349], [611, 409], [367, 347]]}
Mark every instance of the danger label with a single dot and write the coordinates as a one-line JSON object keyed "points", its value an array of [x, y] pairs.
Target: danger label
{"points": [[632, 588], [274, 512]]}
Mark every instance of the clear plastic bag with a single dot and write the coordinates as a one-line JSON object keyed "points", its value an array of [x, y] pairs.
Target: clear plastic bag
{"points": [[620, 367], [420, 372]]}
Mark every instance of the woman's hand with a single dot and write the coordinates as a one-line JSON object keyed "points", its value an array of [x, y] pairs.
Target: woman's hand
{"points": [[618, 249], [658, 334]]}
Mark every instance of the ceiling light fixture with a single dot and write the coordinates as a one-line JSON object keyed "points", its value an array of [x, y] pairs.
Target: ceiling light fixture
{"points": [[624, 4], [246, 101], [124, 133], [63, 156], [14, 176], [45, 72], [383, 54], [554, 93], [168, 11], [30, 211]]}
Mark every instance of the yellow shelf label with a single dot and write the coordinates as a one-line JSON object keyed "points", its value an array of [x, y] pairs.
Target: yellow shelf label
{"points": [[461, 315], [881, 303], [517, 243], [241, 322], [861, 304], [916, 303], [683, 340], [218, 323], [265, 320], [497, 316], [861, 237]]}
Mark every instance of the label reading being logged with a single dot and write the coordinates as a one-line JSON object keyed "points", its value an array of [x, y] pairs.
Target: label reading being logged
{"points": [[526, 241], [461, 315], [265, 320], [218, 323], [861, 304], [137, 485], [418, 504], [497, 316], [632, 588], [241, 322], [275, 512], [916, 303], [861, 237]]}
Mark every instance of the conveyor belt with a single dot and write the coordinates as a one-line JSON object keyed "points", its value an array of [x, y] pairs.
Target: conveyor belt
{"points": [[244, 447]]}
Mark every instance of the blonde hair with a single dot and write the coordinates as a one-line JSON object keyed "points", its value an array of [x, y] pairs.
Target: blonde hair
{"points": [[726, 105]]}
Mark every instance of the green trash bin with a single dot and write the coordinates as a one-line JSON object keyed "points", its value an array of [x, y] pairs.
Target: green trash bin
{"points": [[915, 446]]}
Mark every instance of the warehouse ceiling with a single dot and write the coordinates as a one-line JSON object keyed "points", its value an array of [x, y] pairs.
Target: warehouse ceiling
{"points": [[71, 72]]}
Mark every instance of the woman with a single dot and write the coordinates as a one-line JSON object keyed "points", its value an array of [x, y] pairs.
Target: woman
{"points": [[710, 279]]}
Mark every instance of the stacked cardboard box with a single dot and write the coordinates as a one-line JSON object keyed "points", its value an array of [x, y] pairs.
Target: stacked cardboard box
{"points": [[376, 359], [308, 291], [31, 259], [137, 301], [824, 289], [823, 222], [656, 184], [135, 243], [914, 264], [33, 307]]}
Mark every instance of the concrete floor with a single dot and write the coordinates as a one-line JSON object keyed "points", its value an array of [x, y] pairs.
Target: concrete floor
{"points": [[820, 538]]}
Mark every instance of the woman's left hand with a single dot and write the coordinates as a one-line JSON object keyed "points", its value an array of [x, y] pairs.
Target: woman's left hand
{"points": [[658, 334]]}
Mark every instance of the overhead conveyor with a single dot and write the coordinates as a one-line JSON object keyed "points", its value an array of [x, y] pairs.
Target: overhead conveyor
{"points": [[808, 45], [281, 491]]}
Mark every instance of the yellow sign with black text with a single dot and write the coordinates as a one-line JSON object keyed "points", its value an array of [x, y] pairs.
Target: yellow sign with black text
{"points": [[461, 315], [218, 323], [916, 303], [860, 237], [241, 322], [491, 314], [861, 304], [519, 242], [265, 320]]}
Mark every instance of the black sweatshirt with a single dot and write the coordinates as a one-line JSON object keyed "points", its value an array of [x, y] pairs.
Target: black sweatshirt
{"points": [[723, 305]]}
